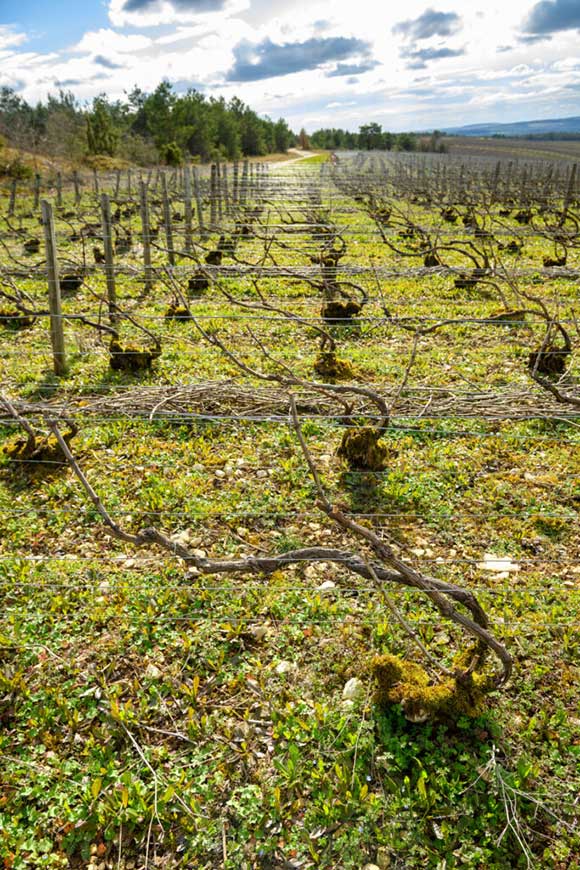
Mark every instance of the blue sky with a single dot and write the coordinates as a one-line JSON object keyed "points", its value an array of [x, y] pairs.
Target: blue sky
{"points": [[341, 63]]}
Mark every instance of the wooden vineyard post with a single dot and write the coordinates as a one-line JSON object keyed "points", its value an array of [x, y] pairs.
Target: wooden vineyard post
{"points": [[219, 191], [107, 226], [95, 182], [76, 182], [145, 236], [117, 182], [167, 220], [59, 189], [244, 190], [36, 191], [495, 182], [12, 202], [226, 190], [188, 209], [213, 198], [198, 203], [56, 325], [236, 189], [129, 183], [569, 192]]}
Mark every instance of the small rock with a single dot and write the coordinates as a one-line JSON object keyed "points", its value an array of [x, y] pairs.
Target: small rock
{"points": [[152, 671], [497, 564], [353, 689], [383, 858], [262, 473], [219, 472], [326, 586], [371, 867], [285, 667], [259, 632]]}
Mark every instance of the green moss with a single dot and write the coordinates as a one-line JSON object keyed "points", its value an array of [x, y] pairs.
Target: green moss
{"points": [[330, 367], [362, 449], [338, 312], [12, 319], [43, 450], [407, 684], [177, 312], [130, 358]]}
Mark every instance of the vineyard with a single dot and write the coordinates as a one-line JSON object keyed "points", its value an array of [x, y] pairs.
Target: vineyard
{"points": [[289, 498]]}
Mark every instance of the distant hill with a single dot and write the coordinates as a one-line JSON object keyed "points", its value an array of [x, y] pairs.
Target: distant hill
{"points": [[549, 126]]}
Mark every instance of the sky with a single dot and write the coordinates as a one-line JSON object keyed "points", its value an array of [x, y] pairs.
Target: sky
{"points": [[340, 63]]}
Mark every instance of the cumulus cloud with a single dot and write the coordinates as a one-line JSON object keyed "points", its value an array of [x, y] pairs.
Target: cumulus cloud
{"points": [[105, 40], [352, 69], [418, 58], [10, 38], [551, 16], [179, 5], [101, 60], [153, 13], [266, 59], [429, 24]]}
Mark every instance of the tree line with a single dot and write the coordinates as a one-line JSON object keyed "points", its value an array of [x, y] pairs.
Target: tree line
{"points": [[143, 128], [371, 137]]}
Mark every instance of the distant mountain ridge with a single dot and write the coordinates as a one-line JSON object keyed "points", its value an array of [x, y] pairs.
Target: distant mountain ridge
{"points": [[519, 128]]}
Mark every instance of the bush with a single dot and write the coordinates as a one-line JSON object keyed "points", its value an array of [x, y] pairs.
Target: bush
{"points": [[139, 150], [16, 168], [103, 163], [172, 154]]}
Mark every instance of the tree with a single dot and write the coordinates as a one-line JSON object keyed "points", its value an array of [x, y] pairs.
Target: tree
{"points": [[283, 136], [303, 140], [102, 137]]}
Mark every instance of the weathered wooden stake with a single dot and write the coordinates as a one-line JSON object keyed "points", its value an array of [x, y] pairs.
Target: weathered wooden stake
{"points": [[56, 324], [12, 203], [36, 191], [236, 191], [188, 208], [245, 173], [226, 189], [59, 189], [76, 182], [219, 191], [569, 191], [198, 203], [167, 220], [213, 198], [145, 236], [107, 227]]}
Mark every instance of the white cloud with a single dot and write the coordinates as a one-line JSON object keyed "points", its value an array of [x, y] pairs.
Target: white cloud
{"points": [[154, 13], [10, 38]]}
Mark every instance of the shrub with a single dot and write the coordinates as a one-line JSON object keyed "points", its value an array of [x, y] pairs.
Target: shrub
{"points": [[172, 154]]}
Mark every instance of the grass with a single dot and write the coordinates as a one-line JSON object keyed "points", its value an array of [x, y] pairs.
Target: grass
{"points": [[150, 713]]}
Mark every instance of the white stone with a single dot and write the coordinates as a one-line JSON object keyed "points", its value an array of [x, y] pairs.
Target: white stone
{"points": [[353, 689], [498, 564], [326, 586], [285, 667]]}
